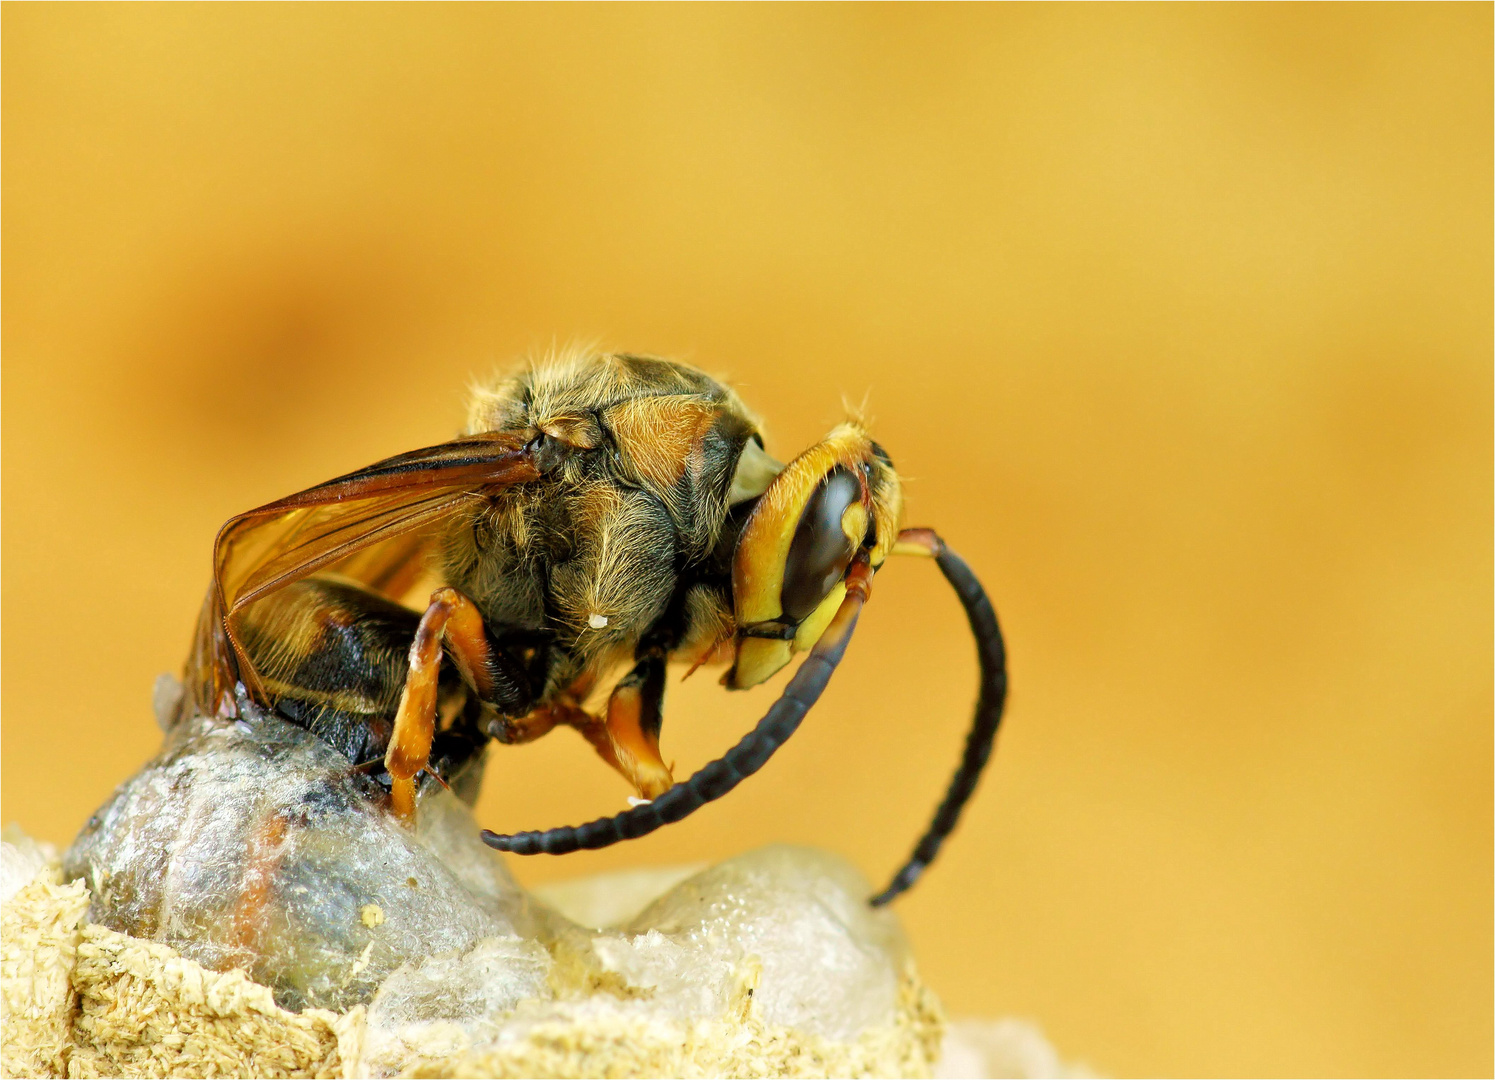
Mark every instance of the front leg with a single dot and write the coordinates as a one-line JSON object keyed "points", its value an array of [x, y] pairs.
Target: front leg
{"points": [[635, 712], [627, 738]]}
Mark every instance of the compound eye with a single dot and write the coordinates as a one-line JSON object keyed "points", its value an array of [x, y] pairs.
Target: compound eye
{"points": [[830, 531]]}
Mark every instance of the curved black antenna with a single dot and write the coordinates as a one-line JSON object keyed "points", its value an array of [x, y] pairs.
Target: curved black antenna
{"points": [[993, 657], [726, 772]]}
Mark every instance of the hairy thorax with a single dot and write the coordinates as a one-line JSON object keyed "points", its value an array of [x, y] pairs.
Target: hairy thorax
{"points": [[626, 542]]}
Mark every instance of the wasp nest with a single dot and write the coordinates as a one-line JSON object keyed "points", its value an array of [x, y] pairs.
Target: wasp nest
{"points": [[241, 907]]}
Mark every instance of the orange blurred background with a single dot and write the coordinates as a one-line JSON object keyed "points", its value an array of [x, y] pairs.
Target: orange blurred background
{"points": [[1177, 318]]}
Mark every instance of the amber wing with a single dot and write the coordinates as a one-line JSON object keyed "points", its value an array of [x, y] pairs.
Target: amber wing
{"points": [[394, 500]]}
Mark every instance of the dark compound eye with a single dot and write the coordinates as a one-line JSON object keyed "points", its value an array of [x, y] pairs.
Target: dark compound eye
{"points": [[820, 550]]}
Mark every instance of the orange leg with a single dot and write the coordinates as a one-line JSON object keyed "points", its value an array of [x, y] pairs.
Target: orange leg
{"points": [[565, 708], [634, 716], [453, 617], [627, 738]]}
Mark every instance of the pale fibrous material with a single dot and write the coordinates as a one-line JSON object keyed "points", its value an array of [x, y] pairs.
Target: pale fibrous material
{"points": [[244, 907]]}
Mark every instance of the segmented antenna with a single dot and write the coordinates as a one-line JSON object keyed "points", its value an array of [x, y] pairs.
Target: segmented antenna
{"points": [[783, 718], [720, 776], [993, 658]]}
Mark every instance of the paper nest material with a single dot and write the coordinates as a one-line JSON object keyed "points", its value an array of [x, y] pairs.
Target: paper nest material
{"points": [[241, 906], [81, 1000]]}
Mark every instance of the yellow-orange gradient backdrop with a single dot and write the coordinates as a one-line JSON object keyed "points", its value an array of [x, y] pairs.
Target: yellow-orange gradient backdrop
{"points": [[1178, 319]]}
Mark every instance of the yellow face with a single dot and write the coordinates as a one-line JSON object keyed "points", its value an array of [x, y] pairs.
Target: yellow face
{"points": [[839, 498]]}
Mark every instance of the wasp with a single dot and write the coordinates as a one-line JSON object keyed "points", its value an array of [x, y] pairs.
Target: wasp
{"points": [[602, 514]]}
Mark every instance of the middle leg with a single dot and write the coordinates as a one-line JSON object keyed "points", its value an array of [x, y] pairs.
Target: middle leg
{"points": [[453, 620]]}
